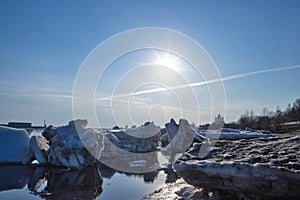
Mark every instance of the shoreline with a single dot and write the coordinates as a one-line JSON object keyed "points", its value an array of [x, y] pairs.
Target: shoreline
{"points": [[223, 176]]}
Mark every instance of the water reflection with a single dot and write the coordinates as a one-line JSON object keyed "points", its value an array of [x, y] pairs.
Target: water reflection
{"points": [[79, 184], [14, 177], [108, 173], [60, 184], [55, 183], [87, 183]]}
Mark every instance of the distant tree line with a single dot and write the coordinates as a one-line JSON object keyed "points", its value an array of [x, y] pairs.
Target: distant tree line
{"points": [[275, 121]]}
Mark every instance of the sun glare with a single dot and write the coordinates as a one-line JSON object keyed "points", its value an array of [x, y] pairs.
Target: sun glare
{"points": [[168, 60]]}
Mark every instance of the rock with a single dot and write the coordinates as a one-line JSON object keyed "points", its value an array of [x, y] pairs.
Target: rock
{"points": [[66, 148], [15, 146], [39, 146]]}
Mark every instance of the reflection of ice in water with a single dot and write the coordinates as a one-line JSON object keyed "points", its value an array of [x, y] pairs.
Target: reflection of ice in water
{"points": [[13, 177], [56, 183], [51, 182], [138, 163], [41, 188]]}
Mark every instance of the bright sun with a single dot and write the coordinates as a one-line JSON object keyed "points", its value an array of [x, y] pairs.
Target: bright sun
{"points": [[168, 60]]}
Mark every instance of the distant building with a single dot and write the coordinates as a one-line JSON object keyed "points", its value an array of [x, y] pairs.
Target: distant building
{"points": [[24, 125], [218, 123], [19, 125], [219, 120]]}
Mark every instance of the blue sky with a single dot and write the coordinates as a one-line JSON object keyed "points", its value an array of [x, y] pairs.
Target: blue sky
{"points": [[44, 43]]}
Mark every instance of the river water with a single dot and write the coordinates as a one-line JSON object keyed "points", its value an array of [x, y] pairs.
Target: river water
{"points": [[32, 182]]}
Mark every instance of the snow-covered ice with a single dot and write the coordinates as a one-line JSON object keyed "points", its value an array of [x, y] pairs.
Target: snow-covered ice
{"points": [[144, 138], [67, 149], [15, 146], [233, 134], [245, 166], [39, 146]]}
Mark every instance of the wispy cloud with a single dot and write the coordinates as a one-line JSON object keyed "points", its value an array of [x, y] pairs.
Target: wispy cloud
{"points": [[226, 78], [40, 95], [18, 90]]}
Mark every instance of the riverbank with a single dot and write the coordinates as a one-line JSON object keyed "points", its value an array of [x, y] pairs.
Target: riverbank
{"points": [[260, 168]]}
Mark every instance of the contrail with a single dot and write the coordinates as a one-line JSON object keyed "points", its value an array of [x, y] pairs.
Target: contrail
{"points": [[226, 78]]}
